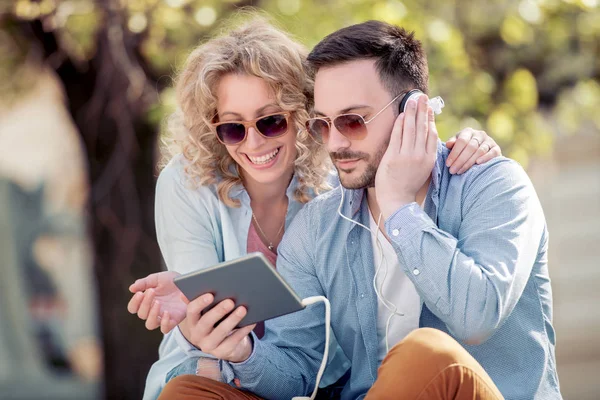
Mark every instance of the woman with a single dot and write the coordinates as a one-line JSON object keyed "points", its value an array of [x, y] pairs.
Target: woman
{"points": [[243, 168]]}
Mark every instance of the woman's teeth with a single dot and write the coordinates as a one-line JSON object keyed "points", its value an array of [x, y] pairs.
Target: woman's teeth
{"points": [[264, 159]]}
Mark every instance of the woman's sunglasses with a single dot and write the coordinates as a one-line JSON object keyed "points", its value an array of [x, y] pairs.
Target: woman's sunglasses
{"points": [[269, 126], [352, 126]]}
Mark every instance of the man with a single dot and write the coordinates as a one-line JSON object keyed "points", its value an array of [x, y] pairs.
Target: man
{"points": [[465, 254]]}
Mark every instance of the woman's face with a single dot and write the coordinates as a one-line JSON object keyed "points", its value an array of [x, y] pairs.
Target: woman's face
{"points": [[244, 98]]}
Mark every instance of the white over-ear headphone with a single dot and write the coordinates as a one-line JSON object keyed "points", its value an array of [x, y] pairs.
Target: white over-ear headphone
{"points": [[436, 103]]}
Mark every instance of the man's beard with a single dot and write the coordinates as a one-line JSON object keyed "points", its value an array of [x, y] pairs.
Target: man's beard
{"points": [[367, 179]]}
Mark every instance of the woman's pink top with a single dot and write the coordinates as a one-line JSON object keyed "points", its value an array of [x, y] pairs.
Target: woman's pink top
{"points": [[256, 244]]}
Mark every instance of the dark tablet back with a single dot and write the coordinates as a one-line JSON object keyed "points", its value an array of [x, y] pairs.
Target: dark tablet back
{"points": [[250, 281]]}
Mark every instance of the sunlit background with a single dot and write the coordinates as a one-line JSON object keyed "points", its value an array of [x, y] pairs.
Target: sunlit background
{"points": [[84, 89]]}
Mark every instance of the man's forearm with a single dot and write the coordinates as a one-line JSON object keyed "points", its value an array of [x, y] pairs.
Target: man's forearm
{"points": [[272, 372], [472, 284]]}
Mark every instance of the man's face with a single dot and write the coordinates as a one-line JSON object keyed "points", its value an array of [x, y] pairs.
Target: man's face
{"points": [[355, 88]]}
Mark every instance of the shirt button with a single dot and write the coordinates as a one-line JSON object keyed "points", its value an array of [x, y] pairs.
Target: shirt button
{"points": [[395, 232], [416, 272], [362, 295]]}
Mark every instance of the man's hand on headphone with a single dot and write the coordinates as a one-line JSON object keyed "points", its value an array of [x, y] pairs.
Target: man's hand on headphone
{"points": [[409, 158]]}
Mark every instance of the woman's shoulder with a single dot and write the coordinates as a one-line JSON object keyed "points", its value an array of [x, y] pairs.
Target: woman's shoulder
{"points": [[174, 180], [333, 178]]}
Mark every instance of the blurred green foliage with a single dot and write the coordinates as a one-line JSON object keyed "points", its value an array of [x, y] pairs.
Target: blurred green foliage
{"points": [[522, 70]]}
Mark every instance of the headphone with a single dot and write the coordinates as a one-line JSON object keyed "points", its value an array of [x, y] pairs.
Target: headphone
{"points": [[437, 103]]}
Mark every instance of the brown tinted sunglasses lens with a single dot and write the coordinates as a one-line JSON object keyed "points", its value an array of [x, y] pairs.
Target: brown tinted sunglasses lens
{"points": [[319, 129], [351, 126]]}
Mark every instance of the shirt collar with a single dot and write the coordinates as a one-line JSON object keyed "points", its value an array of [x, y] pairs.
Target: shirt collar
{"points": [[238, 190]]}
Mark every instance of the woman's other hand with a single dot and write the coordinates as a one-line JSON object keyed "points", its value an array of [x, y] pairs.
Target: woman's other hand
{"points": [[470, 146], [157, 300]]}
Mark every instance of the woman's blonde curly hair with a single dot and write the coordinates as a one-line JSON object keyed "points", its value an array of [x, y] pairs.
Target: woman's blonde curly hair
{"points": [[259, 49]]}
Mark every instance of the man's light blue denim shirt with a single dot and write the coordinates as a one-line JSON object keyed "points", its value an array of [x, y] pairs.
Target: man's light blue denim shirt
{"points": [[196, 230], [477, 255]]}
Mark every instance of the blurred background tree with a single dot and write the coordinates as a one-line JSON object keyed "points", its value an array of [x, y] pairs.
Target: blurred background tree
{"points": [[525, 71]]}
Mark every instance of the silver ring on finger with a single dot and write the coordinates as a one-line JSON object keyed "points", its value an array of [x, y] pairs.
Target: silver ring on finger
{"points": [[477, 140]]}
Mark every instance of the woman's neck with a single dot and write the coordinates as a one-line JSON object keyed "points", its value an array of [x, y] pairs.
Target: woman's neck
{"points": [[264, 195]]}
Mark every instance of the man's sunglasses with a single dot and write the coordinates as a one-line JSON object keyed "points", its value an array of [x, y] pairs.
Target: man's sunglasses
{"points": [[352, 126], [269, 126]]}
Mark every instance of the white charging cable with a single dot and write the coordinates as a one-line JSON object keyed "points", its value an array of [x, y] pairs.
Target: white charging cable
{"points": [[306, 302], [378, 291]]}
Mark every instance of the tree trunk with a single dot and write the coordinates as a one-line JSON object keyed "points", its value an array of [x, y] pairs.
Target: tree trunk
{"points": [[108, 101]]}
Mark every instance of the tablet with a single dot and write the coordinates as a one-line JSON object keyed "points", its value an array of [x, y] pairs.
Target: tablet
{"points": [[250, 281]]}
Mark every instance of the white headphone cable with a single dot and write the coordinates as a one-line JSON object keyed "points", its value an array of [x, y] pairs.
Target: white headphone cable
{"points": [[391, 307]]}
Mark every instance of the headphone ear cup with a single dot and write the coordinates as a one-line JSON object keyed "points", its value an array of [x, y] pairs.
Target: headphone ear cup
{"points": [[411, 93]]}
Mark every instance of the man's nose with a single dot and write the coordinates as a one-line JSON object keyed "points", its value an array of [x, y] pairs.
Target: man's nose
{"points": [[337, 141]]}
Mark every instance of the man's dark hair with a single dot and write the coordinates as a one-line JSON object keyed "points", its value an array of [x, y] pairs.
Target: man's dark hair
{"points": [[400, 59]]}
